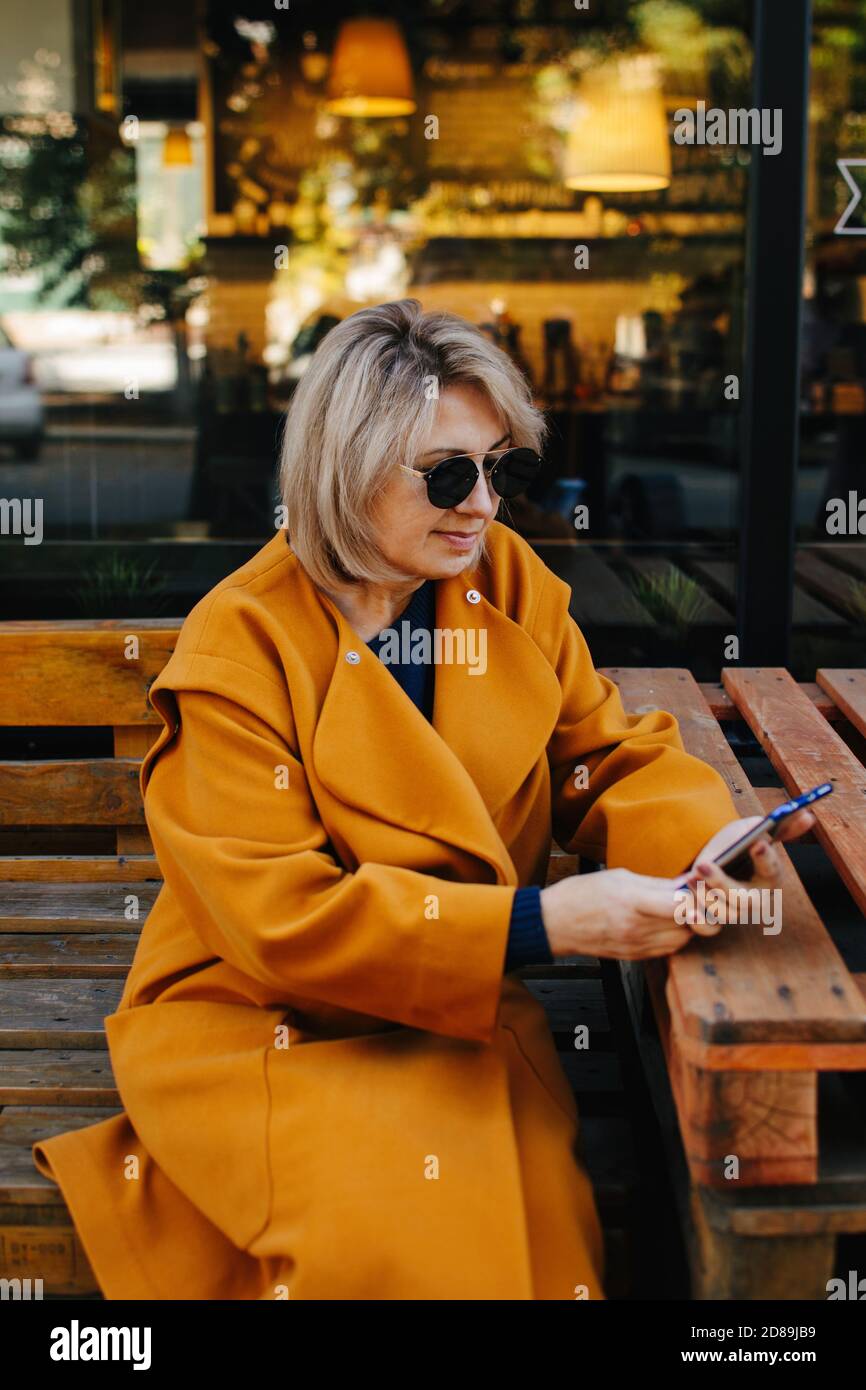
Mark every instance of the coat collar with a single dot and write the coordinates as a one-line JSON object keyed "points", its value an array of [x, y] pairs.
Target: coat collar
{"points": [[375, 751]]}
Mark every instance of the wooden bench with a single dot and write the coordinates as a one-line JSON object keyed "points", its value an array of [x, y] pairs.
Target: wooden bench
{"points": [[73, 844], [743, 1026]]}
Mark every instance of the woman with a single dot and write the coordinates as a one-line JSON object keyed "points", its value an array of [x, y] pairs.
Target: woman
{"points": [[334, 1085]]}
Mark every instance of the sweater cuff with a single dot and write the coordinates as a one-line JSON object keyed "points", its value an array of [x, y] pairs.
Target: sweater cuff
{"points": [[527, 939]]}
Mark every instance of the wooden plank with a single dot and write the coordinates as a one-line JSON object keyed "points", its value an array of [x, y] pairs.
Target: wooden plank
{"points": [[825, 580], [133, 741], [835, 1203], [50, 1076], [768, 1123], [598, 595], [71, 868], [807, 611], [804, 750], [848, 689], [727, 1268], [75, 907], [653, 569], [72, 956], [571, 1004], [50, 1253], [21, 1183], [723, 708], [743, 986], [77, 672], [56, 1013], [86, 791]]}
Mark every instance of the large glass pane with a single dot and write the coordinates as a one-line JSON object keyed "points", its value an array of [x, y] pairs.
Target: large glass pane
{"points": [[830, 597], [546, 184]]}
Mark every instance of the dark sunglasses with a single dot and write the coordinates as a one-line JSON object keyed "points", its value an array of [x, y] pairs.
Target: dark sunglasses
{"points": [[450, 482]]}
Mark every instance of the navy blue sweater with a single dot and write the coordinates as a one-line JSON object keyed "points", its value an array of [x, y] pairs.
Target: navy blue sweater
{"points": [[527, 939]]}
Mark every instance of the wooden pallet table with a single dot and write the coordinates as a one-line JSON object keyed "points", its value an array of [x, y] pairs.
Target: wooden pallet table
{"points": [[748, 1037]]}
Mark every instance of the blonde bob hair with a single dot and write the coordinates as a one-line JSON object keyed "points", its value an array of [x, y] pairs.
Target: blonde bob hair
{"points": [[366, 403]]}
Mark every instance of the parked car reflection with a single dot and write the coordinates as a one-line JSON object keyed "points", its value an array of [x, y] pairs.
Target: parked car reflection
{"points": [[22, 417]]}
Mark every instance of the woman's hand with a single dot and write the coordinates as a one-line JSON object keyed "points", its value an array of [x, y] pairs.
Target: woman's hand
{"points": [[626, 916], [766, 868], [766, 860], [616, 914]]}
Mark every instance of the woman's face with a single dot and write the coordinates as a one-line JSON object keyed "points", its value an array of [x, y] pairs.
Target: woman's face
{"points": [[425, 541]]}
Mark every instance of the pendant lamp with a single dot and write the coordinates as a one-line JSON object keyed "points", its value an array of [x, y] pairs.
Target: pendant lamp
{"points": [[618, 141], [370, 71]]}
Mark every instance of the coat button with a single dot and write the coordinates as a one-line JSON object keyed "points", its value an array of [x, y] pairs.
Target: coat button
{"points": [[473, 596], [353, 658]]}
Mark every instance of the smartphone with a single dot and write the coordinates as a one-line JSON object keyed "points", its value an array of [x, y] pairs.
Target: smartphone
{"points": [[736, 858]]}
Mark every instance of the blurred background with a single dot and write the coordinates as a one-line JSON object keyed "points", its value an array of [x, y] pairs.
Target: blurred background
{"points": [[193, 193]]}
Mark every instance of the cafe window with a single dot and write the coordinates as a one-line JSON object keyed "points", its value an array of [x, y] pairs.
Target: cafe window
{"points": [[830, 564], [579, 183]]}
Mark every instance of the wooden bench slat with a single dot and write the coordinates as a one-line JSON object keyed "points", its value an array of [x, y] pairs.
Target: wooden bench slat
{"points": [[72, 674], [73, 907], [86, 791], [848, 689], [742, 986], [724, 709], [72, 955], [804, 750], [56, 1013], [51, 1076], [21, 1183], [71, 868]]}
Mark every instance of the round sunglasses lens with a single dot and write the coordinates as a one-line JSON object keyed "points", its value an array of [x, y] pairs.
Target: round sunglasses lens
{"points": [[452, 482], [515, 471]]}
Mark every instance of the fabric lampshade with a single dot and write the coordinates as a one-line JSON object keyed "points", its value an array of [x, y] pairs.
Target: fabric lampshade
{"points": [[370, 71], [618, 141]]}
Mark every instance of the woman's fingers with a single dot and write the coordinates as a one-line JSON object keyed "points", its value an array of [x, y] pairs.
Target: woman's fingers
{"points": [[766, 859], [796, 825]]}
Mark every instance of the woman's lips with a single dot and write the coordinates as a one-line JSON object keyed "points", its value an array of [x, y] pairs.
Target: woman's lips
{"points": [[460, 540]]}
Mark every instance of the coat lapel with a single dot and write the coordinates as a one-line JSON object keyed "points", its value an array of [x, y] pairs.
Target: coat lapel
{"points": [[374, 750]]}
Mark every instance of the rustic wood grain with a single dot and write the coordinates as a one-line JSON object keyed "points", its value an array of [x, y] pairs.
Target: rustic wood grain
{"points": [[86, 791], [56, 1013], [54, 1076], [804, 750], [78, 869], [133, 741], [723, 708], [69, 955], [848, 689], [75, 907], [742, 986], [74, 673], [21, 1183]]}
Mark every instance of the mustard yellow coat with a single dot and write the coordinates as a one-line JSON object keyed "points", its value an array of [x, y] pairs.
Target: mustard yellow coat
{"points": [[330, 1090]]}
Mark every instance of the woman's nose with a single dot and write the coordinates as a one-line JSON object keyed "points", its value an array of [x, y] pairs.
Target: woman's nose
{"points": [[481, 500]]}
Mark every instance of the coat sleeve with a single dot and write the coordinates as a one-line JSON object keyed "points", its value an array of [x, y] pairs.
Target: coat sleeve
{"points": [[240, 843], [643, 802]]}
